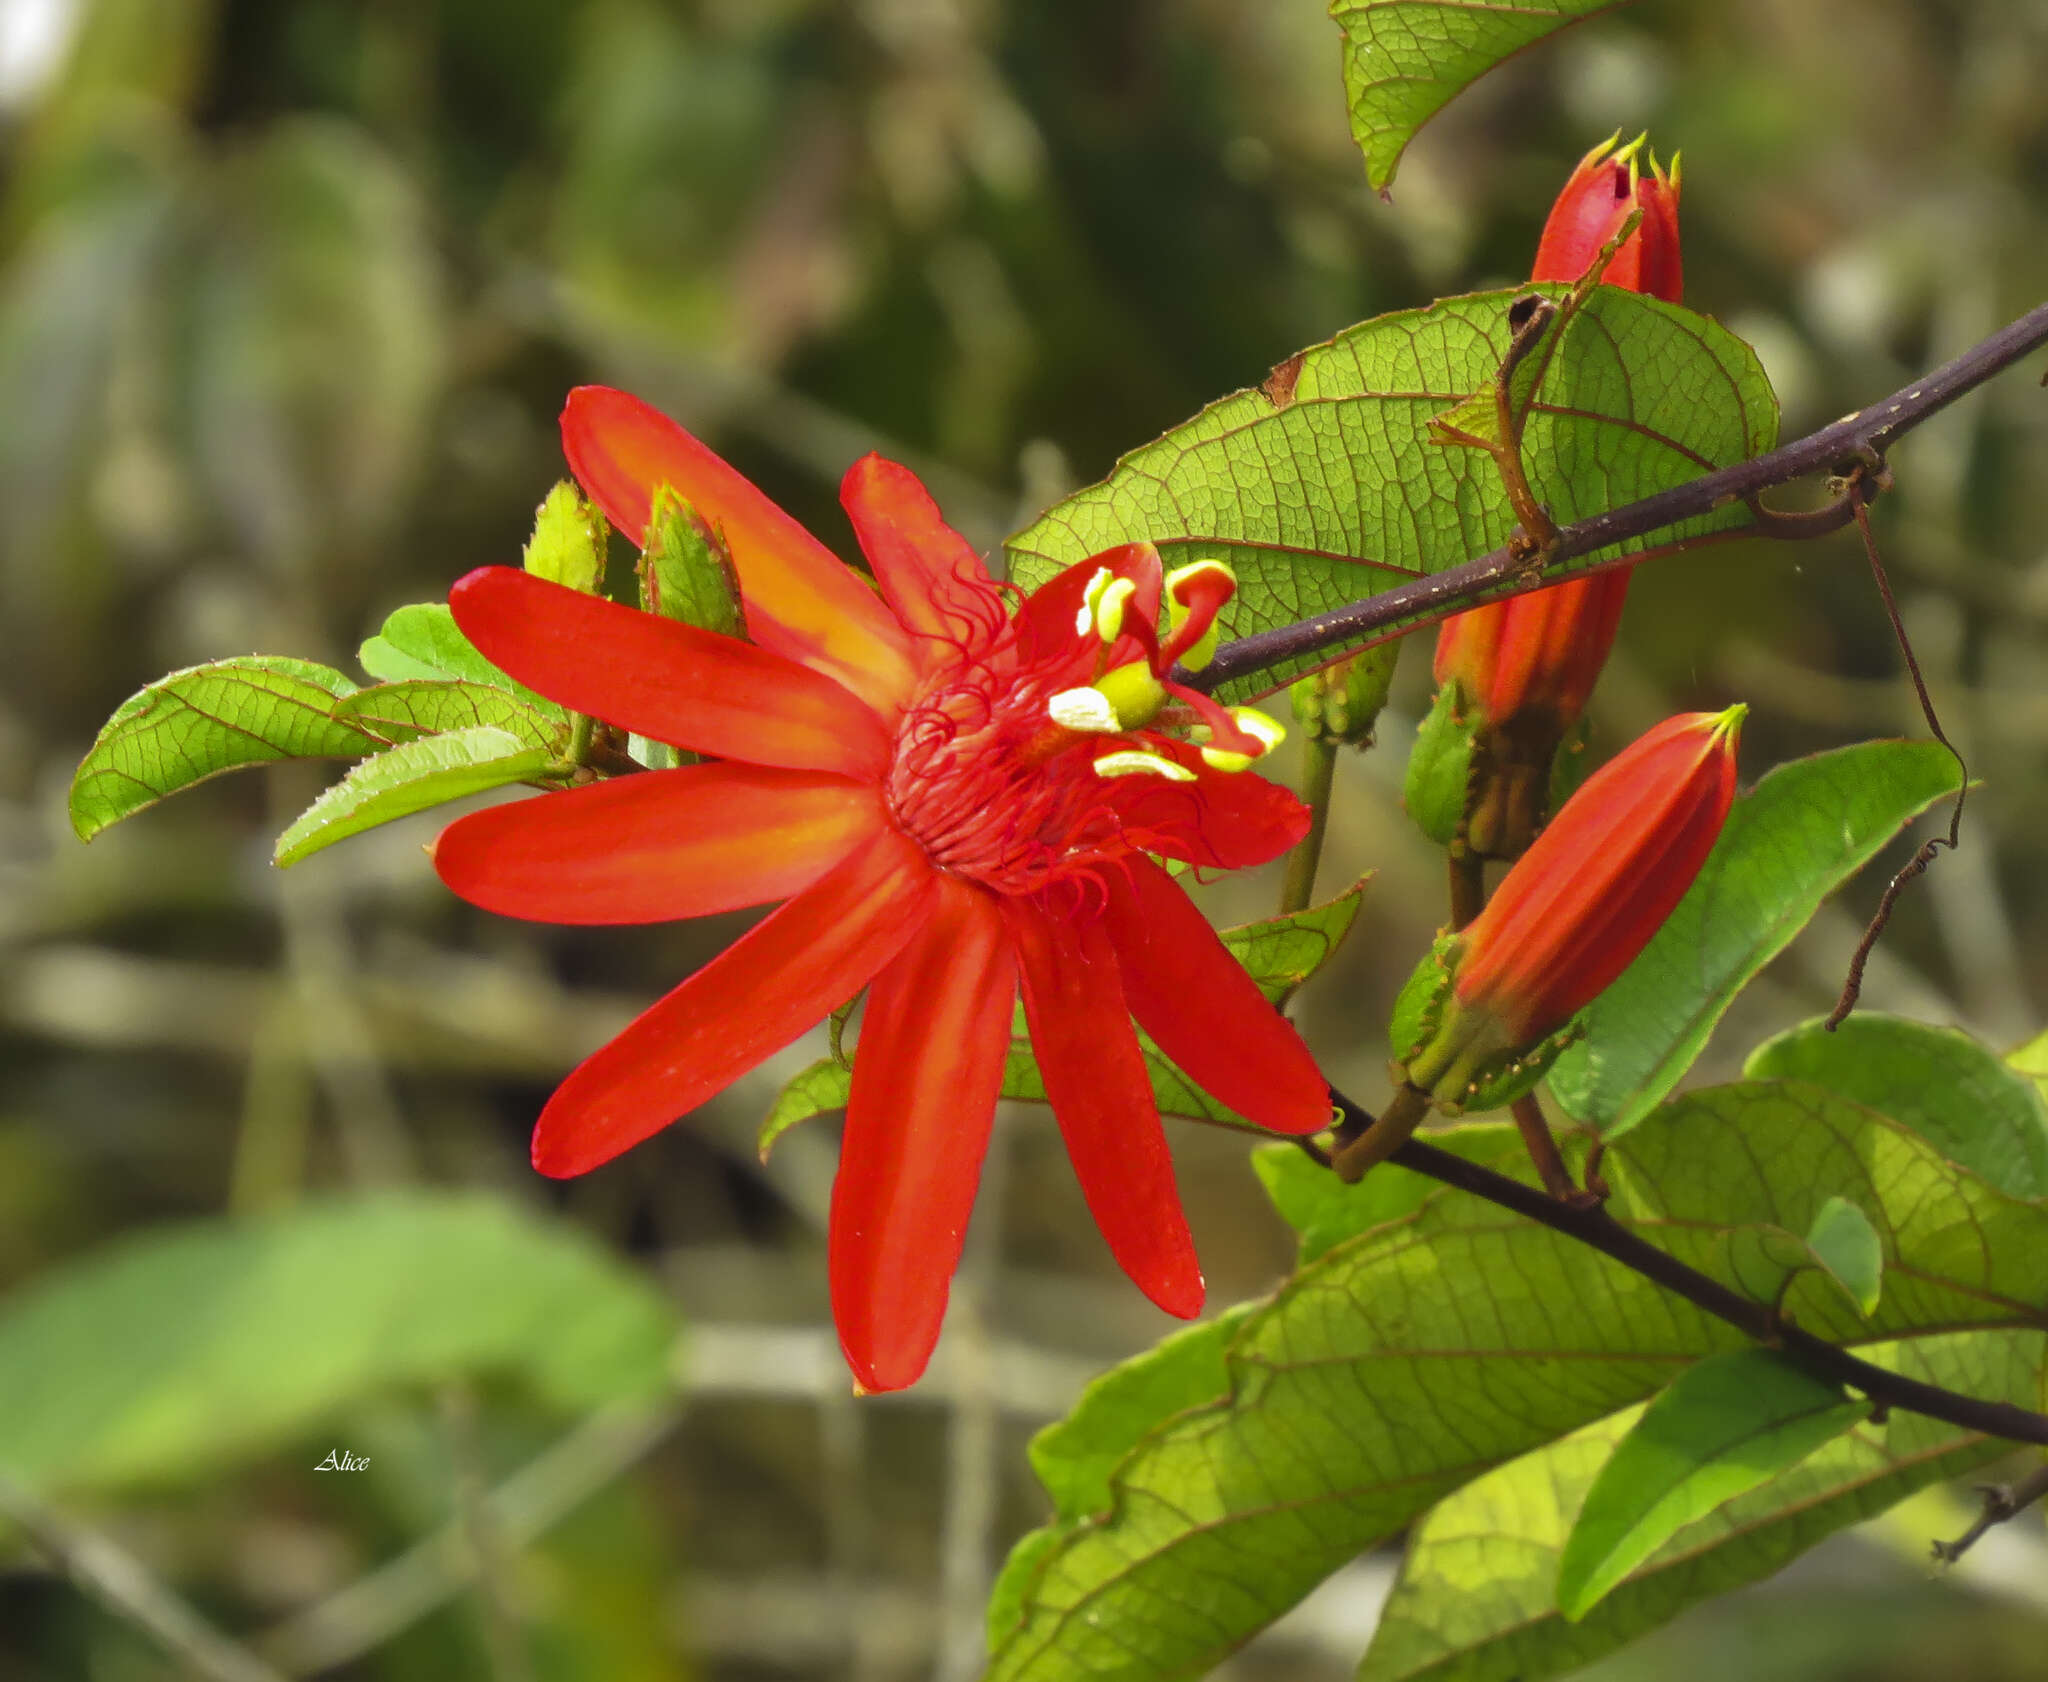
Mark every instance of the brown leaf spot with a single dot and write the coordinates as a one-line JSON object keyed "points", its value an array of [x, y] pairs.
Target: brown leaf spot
{"points": [[1279, 384]]}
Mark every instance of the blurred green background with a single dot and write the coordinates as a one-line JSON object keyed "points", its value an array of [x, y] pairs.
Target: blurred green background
{"points": [[290, 293]]}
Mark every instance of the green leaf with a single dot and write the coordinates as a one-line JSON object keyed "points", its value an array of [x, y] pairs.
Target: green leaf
{"points": [[1410, 1360], [1405, 59], [422, 640], [1973, 1108], [1280, 955], [823, 1087], [208, 719], [1723, 1427], [1476, 1600], [1845, 1243], [1324, 485], [568, 542], [1800, 834], [415, 707], [190, 1347], [1324, 1211], [686, 572], [410, 778]]}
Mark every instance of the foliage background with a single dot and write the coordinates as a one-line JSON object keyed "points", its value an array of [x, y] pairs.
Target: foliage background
{"points": [[290, 291]]}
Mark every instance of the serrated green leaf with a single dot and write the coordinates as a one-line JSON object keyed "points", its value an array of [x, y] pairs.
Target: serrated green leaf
{"points": [[1324, 485], [1280, 955], [1724, 1426], [568, 542], [190, 1347], [1404, 60], [405, 711], [1476, 1600], [1845, 1243], [1324, 1211], [1407, 1361], [410, 778], [1938, 1081], [817, 1090], [686, 572], [1802, 832], [208, 719], [422, 641]]}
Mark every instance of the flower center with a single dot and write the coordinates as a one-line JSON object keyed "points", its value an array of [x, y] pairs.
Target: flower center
{"points": [[993, 788]]}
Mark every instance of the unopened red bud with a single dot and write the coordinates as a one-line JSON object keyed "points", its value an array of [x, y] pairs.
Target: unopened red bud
{"points": [[1580, 904]]}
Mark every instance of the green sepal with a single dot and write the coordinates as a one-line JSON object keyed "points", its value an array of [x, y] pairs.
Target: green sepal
{"points": [[568, 542], [1499, 1084], [686, 571], [1341, 703], [1440, 768], [1419, 1007]]}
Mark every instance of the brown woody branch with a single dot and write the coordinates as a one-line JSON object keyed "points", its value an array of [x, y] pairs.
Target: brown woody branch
{"points": [[1590, 1224], [1858, 439]]}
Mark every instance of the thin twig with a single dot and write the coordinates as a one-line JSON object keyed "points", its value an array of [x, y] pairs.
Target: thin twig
{"points": [[1852, 984], [1504, 571], [124, 1585], [2001, 1503], [1593, 1226]]}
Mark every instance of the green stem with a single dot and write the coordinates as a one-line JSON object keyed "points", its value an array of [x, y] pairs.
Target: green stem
{"points": [[579, 738], [1318, 772]]}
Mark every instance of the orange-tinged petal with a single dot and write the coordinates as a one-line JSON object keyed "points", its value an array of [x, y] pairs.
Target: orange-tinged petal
{"points": [[665, 679], [800, 963], [1222, 820], [1095, 1079], [930, 576], [682, 843], [925, 1080], [801, 601], [1205, 1012]]}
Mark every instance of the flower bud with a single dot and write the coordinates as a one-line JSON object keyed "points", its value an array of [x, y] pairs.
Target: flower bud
{"points": [[1477, 1022], [1523, 668]]}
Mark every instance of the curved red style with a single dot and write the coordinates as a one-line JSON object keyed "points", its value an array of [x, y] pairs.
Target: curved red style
{"points": [[950, 810]]}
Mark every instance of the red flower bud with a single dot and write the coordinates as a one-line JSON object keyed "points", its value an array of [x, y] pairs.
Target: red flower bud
{"points": [[1598, 198], [1478, 1022], [1601, 878], [1528, 664]]}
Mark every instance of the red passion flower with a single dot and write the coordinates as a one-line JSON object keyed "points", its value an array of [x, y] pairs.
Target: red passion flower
{"points": [[953, 801]]}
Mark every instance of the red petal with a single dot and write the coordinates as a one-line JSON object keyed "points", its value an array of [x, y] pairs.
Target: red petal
{"points": [[800, 599], [1207, 1014], [930, 1065], [683, 843], [798, 964], [665, 679], [1095, 1079], [1223, 820], [930, 577]]}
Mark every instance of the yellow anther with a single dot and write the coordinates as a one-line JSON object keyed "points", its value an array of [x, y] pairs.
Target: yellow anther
{"points": [[1086, 710], [1098, 581], [1268, 733], [1109, 608], [1134, 762]]}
